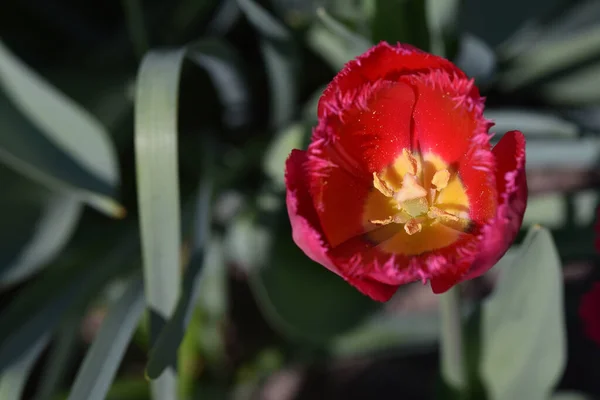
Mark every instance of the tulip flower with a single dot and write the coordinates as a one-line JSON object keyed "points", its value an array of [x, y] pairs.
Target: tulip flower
{"points": [[400, 182]]}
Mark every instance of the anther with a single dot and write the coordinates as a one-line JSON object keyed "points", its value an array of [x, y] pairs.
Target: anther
{"points": [[412, 161], [440, 179], [382, 186], [413, 226]]}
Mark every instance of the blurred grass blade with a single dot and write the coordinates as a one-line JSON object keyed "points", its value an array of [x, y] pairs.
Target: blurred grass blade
{"points": [[334, 42], [164, 351], [292, 137], [532, 123], [13, 379], [156, 114], [212, 303], [402, 21], [523, 323], [223, 65], [551, 57], [577, 88], [55, 227], [279, 52], [102, 360], [558, 153], [61, 356], [225, 17], [67, 129], [134, 15], [477, 59], [39, 307], [442, 21]]}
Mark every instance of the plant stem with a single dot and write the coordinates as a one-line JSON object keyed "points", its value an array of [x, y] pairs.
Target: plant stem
{"points": [[451, 340]]}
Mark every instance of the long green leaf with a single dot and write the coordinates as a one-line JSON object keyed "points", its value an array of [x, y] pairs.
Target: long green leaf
{"points": [[158, 193], [335, 43], [531, 122], [164, 351], [39, 308], [523, 329], [279, 52], [100, 364], [223, 65], [78, 140], [13, 379], [53, 229]]}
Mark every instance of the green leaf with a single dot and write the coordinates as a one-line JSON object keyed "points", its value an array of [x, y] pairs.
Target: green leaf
{"points": [[66, 147], [58, 217], [570, 396], [156, 105], [279, 51], [551, 57], [404, 333], [334, 42], [292, 137], [40, 306], [402, 21], [164, 351], [102, 360], [552, 210], [523, 330], [36, 224], [580, 87], [13, 379], [531, 122], [559, 153], [476, 59], [223, 65], [61, 356], [442, 21]]}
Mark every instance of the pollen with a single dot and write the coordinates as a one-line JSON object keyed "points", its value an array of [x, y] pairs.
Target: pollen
{"points": [[421, 195]]}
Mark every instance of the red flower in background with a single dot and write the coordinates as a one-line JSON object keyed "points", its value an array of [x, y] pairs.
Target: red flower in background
{"points": [[399, 182], [589, 311]]}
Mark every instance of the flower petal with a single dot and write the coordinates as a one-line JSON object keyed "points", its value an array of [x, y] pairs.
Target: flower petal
{"points": [[371, 128], [375, 290], [512, 199], [383, 61], [306, 229]]}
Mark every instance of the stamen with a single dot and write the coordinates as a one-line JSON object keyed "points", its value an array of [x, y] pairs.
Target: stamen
{"points": [[412, 160], [382, 186], [413, 226], [440, 179], [410, 189], [436, 213], [382, 222]]}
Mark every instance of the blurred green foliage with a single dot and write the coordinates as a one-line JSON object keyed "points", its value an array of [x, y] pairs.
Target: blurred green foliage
{"points": [[142, 148]]}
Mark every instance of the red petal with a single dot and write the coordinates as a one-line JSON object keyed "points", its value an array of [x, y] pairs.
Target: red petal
{"points": [[342, 157], [375, 290], [512, 199], [447, 114], [306, 230], [382, 61]]}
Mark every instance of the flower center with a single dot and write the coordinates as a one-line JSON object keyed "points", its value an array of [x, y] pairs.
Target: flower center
{"points": [[421, 195]]}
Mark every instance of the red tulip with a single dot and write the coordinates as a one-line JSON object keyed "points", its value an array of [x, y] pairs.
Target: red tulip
{"points": [[589, 311], [399, 182]]}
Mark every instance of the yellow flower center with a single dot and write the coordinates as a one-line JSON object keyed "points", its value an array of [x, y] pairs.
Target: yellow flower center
{"points": [[417, 205]]}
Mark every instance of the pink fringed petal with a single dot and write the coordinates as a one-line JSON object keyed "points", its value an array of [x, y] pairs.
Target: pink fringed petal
{"points": [[512, 200], [306, 230]]}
